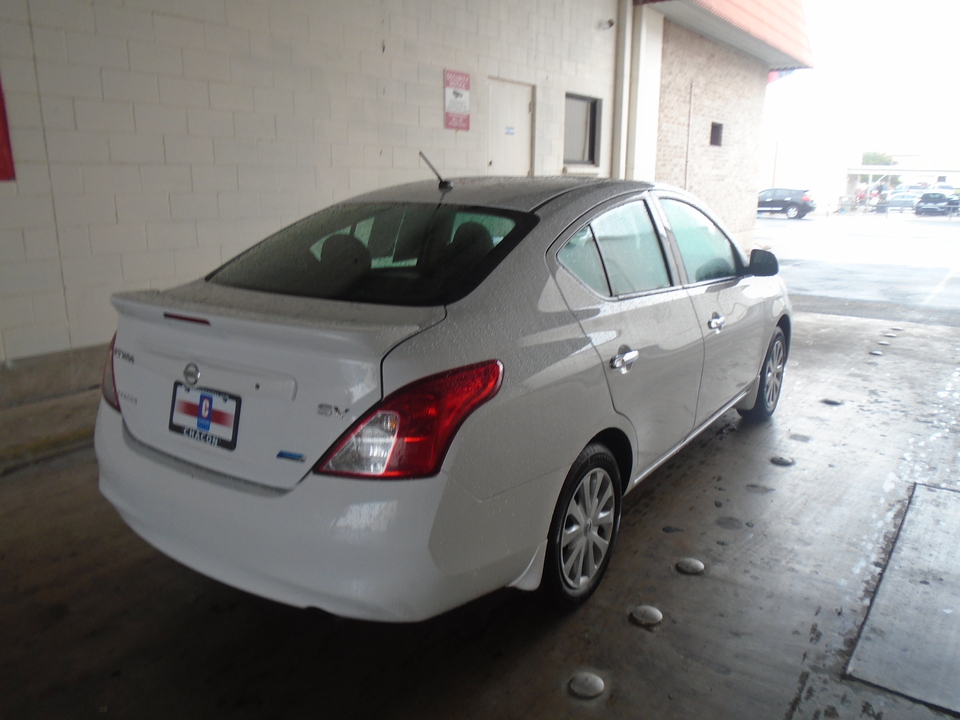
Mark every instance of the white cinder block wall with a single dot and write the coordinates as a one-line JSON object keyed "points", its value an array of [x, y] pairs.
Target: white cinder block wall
{"points": [[154, 139]]}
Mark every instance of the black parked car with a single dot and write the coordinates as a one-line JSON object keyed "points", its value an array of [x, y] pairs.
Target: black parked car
{"points": [[792, 203], [935, 203]]}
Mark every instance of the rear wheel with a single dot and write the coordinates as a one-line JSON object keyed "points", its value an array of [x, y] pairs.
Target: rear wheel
{"points": [[793, 212], [584, 527], [771, 379]]}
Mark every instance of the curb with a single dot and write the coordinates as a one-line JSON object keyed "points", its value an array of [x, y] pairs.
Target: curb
{"points": [[15, 457]]}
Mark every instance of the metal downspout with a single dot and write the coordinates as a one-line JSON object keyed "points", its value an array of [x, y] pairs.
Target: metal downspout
{"points": [[621, 97]]}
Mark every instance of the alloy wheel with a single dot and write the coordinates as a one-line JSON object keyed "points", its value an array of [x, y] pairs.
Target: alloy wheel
{"points": [[588, 528], [773, 374]]}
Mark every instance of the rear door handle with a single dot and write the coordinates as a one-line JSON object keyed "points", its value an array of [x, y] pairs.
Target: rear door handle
{"points": [[624, 359], [716, 322]]}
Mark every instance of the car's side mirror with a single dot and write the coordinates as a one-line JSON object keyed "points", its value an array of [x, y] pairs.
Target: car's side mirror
{"points": [[763, 263]]}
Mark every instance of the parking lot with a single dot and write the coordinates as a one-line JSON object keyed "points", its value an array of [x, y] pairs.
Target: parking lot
{"points": [[798, 522]]}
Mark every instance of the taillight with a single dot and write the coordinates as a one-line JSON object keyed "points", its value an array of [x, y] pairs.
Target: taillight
{"points": [[408, 434], [807, 198], [109, 384]]}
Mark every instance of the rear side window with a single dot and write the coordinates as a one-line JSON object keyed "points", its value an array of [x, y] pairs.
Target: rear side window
{"points": [[581, 257], [400, 254], [618, 253], [706, 252], [631, 250]]}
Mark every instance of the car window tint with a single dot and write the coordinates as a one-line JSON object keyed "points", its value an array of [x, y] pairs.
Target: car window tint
{"points": [[706, 252], [498, 227], [581, 257], [630, 249], [402, 254]]}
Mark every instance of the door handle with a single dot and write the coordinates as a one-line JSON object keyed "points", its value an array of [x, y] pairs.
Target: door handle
{"points": [[624, 359], [716, 322]]}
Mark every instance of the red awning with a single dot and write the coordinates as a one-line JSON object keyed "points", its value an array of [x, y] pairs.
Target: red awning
{"points": [[774, 31]]}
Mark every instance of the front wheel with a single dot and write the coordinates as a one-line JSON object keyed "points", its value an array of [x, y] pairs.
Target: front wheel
{"points": [[584, 527], [771, 379], [793, 212]]}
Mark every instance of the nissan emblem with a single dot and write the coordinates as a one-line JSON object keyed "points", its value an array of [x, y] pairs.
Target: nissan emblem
{"points": [[191, 373]]}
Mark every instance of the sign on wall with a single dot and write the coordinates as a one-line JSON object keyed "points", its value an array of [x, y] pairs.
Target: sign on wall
{"points": [[456, 100], [6, 152]]}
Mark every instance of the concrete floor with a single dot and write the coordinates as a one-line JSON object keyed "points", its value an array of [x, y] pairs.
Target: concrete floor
{"points": [[95, 623]]}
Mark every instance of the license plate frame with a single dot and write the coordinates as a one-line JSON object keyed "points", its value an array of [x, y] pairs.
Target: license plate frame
{"points": [[205, 415]]}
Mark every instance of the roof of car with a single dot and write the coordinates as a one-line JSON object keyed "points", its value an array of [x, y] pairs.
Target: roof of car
{"points": [[524, 194]]}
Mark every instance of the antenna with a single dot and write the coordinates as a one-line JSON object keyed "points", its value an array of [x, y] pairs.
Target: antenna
{"points": [[445, 185]]}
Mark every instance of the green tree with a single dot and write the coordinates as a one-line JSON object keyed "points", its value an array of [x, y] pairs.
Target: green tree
{"points": [[877, 158], [871, 157]]}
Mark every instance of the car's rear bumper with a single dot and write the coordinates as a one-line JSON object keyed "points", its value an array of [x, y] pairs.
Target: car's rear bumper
{"points": [[355, 548]]}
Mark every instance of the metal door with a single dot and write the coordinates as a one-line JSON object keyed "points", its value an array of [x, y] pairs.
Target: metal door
{"points": [[648, 342], [510, 129], [729, 305]]}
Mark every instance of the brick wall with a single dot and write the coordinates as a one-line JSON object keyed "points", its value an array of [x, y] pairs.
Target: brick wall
{"points": [[728, 88], [154, 139]]}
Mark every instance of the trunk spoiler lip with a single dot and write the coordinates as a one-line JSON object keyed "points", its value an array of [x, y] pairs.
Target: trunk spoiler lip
{"points": [[202, 302]]}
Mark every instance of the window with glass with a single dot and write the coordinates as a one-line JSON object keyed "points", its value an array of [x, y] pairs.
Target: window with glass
{"points": [[706, 252], [581, 257], [618, 253], [398, 254], [581, 130]]}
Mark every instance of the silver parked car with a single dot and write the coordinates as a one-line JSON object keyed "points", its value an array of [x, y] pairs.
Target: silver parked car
{"points": [[901, 200], [423, 394]]}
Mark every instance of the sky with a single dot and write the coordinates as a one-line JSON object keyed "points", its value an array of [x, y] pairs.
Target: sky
{"points": [[886, 78]]}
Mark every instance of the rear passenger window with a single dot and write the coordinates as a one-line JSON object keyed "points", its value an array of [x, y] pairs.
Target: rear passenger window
{"points": [[618, 253], [631, 250], [580, 256], [707, 253]]}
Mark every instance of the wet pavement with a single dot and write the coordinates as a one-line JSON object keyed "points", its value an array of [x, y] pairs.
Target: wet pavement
{"points": [[95, 623]]}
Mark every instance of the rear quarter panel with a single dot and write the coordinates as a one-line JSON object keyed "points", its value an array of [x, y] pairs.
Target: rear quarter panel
{"points": [[507, 463]]}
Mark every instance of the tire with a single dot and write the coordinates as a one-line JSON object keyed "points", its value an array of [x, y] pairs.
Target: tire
{"points": [[771, 379], [792, 212], [584, 528]]}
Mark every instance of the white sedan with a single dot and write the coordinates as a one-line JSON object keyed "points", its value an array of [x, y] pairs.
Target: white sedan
{"points": [[418, 396]]}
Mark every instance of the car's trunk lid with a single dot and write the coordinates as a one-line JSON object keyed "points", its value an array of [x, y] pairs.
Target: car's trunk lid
{"points": [[250, 384]]}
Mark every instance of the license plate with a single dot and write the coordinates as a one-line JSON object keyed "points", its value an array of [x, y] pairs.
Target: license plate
{"points": [[205, 415]]}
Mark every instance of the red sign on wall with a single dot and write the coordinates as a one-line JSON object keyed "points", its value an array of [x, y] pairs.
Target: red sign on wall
{"points": [[456, 100], [6, 152]]}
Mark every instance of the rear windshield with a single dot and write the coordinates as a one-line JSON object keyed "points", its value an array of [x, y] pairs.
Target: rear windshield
{"points": [[396, 254]]}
